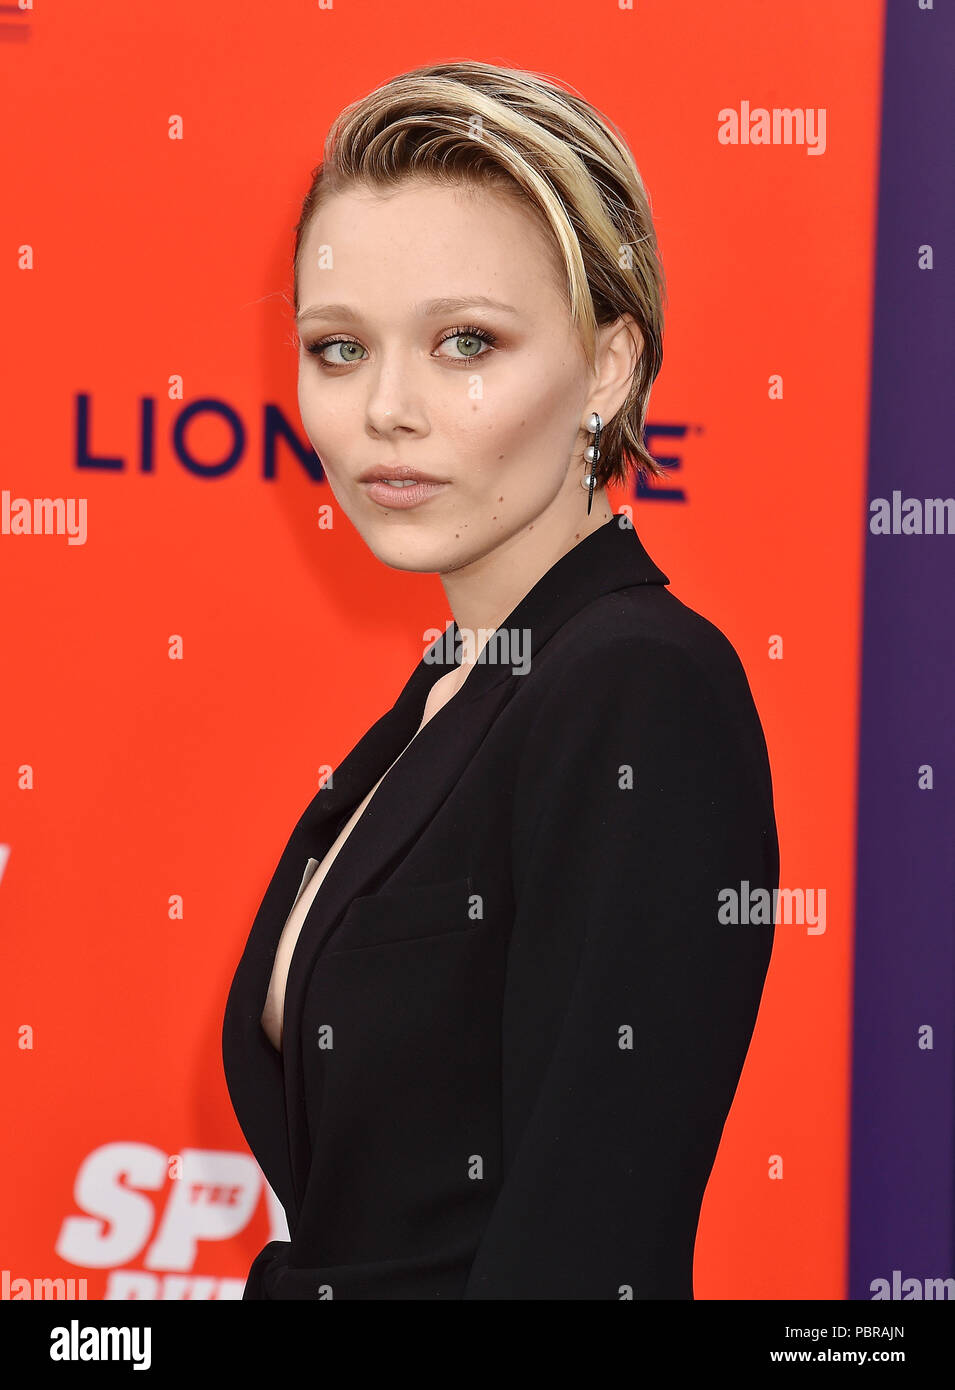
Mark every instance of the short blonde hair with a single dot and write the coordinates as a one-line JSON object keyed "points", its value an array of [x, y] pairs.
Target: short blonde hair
{"points": [[479, 124]]}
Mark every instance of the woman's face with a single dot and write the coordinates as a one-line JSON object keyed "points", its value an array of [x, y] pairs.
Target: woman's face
{"points": [[487, 399]]}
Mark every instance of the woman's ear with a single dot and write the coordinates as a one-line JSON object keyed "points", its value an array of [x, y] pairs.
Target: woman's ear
{"points": [[619, 346]]}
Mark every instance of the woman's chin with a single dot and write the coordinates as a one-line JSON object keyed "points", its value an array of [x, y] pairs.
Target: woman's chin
{"points": [[407, 548]]}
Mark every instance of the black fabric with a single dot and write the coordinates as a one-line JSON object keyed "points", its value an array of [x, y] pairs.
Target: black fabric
{"points": [[514, 1024]]}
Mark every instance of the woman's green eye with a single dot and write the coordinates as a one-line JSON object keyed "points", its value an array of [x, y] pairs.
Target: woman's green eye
{"points": [[350, 352], [468, 344]]}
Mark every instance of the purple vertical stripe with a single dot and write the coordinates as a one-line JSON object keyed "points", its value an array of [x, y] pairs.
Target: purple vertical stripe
{"points": [[903, 1096]]}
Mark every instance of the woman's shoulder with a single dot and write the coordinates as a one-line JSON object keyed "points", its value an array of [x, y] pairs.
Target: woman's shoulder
{"points": [[638, 668], [643, 637]]}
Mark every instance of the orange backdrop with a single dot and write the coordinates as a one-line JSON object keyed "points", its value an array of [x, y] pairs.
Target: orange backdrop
{"points": [[145, 800]]}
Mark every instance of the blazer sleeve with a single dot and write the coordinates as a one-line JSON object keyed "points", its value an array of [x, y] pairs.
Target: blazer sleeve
{"points": [[642, 794]]}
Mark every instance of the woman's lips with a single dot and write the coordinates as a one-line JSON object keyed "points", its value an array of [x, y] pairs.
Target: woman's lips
{"points": [[399, 498]]}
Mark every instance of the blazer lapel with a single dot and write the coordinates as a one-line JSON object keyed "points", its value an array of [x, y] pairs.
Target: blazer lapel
{"points": [[257, 1076], [431, 764]]}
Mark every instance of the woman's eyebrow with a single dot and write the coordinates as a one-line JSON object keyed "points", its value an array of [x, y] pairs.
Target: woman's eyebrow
{"points": [[428, 309]]}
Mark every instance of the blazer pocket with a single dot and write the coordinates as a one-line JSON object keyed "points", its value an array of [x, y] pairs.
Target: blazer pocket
{"points": [[409, 914]]}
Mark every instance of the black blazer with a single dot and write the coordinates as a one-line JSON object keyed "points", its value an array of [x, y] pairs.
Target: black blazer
{"points": [[514, 1023]]}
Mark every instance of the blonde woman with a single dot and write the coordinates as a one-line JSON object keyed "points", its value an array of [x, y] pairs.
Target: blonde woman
{"points": [[489, 1022]]}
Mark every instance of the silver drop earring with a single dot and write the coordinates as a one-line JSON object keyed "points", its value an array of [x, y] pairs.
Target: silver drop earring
{"points": [[591, 456]]}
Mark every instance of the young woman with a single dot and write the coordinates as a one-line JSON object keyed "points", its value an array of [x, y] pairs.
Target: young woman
{"points": [[489, 1023]]}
